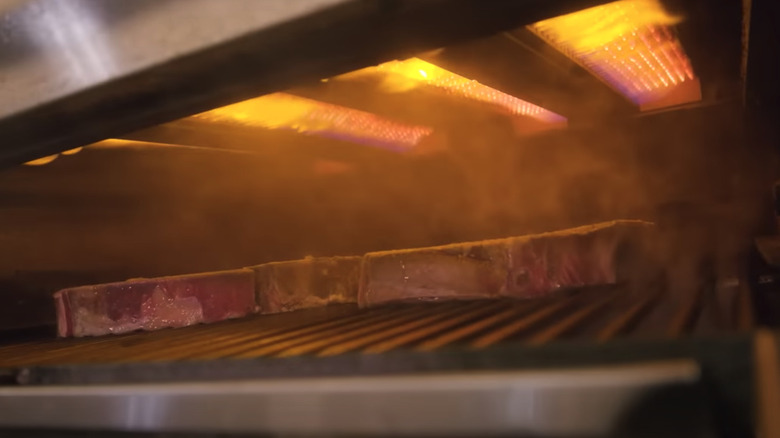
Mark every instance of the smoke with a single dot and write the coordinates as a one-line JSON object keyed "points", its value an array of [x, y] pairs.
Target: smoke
{"points": [[159, 211]]}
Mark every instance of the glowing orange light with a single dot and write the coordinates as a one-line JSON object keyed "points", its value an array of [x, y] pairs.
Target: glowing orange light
{"points": [[628, 44], [41, 161], [49, 158], [73, 151], [285, 111], [401, 76]]}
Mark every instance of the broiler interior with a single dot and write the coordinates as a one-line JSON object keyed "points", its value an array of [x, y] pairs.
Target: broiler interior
{"points": [[348, 130], [408, 154]]}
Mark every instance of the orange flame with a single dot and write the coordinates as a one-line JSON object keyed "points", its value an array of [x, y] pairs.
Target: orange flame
{"points": [[629, 45], [402, 76]]}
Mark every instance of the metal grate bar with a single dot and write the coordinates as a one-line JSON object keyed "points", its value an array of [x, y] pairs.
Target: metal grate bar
{"points": [[151, 345], [522, 324], [56, 350], [200, 345], [473, 328], [626, 320], [213, 347], [130, 346], [569, 323], [270, 325], [54, 343], [274, 347], [324, 340], [411, 327], [430, 330], [686, 314], [248, 341]]}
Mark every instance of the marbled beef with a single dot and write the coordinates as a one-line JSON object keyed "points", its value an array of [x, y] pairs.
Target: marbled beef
{"points": [[519, 267], [154, 303]]}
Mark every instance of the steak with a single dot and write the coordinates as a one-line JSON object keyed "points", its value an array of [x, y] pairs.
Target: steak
{"points": [[151, 304], [311, 282], [518, 267], [459, 271]]}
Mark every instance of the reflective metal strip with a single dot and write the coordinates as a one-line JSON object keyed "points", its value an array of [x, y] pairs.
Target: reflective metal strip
{"points": [[581, 402]]}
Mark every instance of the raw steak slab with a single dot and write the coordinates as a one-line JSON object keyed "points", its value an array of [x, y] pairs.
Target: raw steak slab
{"points": [[311, 282], [154, 303], [520, 267], [459, 271], [591, 255]]}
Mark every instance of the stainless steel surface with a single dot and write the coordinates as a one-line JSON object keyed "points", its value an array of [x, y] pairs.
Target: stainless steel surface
{"points": [[73, 72], [582, 402], [53, 48]]}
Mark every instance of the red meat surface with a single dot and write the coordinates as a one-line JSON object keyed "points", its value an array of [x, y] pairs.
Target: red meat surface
{"points": [[311, 282], [151, 304], [519, 267], [461, 271]]}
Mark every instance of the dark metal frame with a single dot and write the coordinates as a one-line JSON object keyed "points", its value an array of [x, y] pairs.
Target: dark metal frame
{"points": [[322, 43]]}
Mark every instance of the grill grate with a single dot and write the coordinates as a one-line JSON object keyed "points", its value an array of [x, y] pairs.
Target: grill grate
{"points": [[598, 314]]}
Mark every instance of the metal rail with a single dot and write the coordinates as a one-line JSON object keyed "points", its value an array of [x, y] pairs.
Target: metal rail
{"points": [[565, 402]]}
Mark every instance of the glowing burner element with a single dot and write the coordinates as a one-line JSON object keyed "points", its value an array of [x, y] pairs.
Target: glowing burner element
{"points": [[285, 111], [407, 74], [629, 45]]}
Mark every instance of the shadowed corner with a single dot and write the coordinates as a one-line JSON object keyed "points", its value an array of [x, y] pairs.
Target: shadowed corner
{"points": [[681, 410]]}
